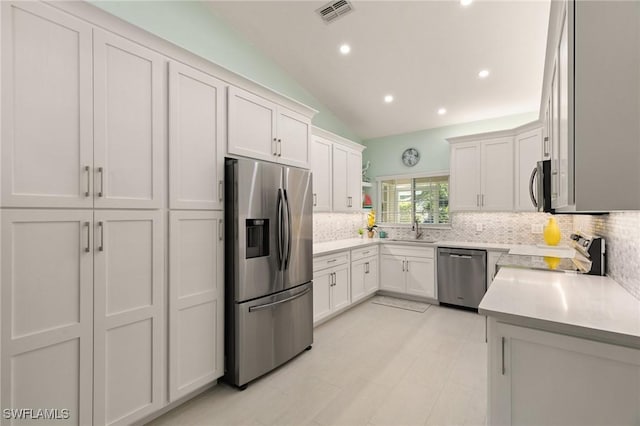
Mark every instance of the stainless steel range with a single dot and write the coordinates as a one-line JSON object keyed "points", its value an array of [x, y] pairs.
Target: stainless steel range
{"points": [[268, 267]]}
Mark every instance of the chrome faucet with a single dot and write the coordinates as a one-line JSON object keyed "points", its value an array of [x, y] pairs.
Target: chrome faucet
{"points": [[416, 227]]}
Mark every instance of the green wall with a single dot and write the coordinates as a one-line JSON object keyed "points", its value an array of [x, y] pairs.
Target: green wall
{"points": [[385, 153], [191, 25]]}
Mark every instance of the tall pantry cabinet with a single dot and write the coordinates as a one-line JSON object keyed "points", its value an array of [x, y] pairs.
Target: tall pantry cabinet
{"points": [[86, 226]]}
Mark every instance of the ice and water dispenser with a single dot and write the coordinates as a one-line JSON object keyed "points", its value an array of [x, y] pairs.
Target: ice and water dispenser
{"points": [[257, 238]]}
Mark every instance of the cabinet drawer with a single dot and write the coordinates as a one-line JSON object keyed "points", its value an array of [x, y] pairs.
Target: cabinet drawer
{"points": [[331, 260], [415, 251], [364, 252]]}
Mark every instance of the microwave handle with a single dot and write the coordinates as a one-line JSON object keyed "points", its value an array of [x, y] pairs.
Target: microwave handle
{"points": [[531, 193]]}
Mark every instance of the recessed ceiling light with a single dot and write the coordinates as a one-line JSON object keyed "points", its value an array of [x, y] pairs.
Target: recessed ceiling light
{"points": [[466, 2], [483, 74], [345, 49], [388, 99], [442, 111]]}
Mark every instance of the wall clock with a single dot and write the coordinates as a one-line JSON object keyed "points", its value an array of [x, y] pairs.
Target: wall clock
{"points": [[410, 157]]}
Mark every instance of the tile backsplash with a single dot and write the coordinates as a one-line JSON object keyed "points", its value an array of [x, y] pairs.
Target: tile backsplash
{"points": [[507, 228], [621, 231]]}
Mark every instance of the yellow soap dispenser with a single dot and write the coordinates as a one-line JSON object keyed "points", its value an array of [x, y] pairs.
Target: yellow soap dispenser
{"points": [[552, 232]]}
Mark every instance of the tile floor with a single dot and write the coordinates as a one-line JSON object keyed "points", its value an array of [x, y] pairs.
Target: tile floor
{"points": [[372, 365]]}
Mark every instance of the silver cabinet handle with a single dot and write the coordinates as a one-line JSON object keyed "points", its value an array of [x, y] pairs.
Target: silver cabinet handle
{"points": [[332, 260], [407, 266], [279, 147], [101, 172], [403, 266], [87, 248], [365, 252], [503, 343], [101, 246], [220, 191], [275, 146], [87, 169], [366, 268], [477, 200], [349, 201], [545, 152], [315, 200], [482, 200], [220, 230]]}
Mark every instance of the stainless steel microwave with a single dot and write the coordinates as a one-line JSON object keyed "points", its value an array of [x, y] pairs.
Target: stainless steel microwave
{"points": [[540, 186]]}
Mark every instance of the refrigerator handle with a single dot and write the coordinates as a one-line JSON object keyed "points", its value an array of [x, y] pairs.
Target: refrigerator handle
{"points": [[287, 258], [279, 239]]}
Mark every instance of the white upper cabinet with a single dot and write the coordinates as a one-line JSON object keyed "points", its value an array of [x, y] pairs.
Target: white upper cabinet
{"points": [[320, 162], [528, 151], [252, 125], [465, 177], [496, 171], [481, 174], [129, 117], [347, 175], [593, 126], [47, 135], [261, 129], [294, 133], [196, 139]]}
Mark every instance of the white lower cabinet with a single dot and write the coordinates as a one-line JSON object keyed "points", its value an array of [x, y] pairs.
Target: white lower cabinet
{"points": [[492, 260], [538, 377], [82, 313], [196, 300], [128, 315], [331, 286], [409, 270], [47, 307], [364, 277]]}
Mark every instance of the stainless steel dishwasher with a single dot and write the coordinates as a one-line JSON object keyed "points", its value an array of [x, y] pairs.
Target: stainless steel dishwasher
{"points": [[462, 276]]}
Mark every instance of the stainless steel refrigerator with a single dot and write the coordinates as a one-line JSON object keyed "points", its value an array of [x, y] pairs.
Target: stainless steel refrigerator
{"points": [[268, 267]]}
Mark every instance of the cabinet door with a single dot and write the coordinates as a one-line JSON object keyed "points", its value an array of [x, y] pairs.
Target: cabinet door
{"points": [[420, 276], [341, 293], [294, 132], [564, 166], [196, 139], [537, 378], [47, 131], [252, 125], [497, 175], [465, 177], [340, 182], [322, 282], [358, 277], [129, 320], [528, 151], [47, 304], [320, 162], [196, 302], [130, 122], [354, 180], [371, 282], [555, 136], [392, 273]]}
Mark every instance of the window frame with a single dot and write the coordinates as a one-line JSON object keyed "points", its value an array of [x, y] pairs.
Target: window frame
{"points": [[438, 173]]}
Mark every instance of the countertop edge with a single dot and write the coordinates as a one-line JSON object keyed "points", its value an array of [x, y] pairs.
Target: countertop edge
{"points": [[605, 336], [350, 244]]}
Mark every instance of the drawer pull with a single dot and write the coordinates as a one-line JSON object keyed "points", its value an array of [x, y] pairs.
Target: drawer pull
{"points": [[332, 260]]}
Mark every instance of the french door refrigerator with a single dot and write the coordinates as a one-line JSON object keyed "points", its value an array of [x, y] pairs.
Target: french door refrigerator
{"points": [[268, 267]]}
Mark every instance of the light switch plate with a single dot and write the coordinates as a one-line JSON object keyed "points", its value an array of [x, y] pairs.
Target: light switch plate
{"points": [[479, 227], [536, 228]]}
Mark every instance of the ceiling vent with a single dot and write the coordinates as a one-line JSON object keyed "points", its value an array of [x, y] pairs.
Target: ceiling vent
{"points": [[333, 10]]}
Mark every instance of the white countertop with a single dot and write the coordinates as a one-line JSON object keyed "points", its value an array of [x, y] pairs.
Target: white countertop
{"points": [[564, 252], [351, 243], [582, 305]]}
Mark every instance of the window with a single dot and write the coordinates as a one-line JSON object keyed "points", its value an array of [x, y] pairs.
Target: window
{"points": [[404, 200]]}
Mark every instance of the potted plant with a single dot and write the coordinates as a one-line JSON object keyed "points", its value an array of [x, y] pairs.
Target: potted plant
{"points": [[371, 223], [360, 232]]}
